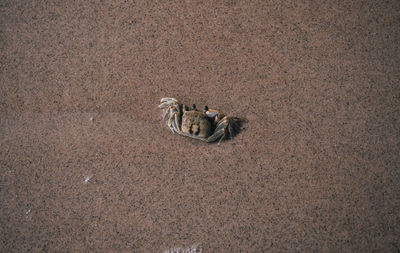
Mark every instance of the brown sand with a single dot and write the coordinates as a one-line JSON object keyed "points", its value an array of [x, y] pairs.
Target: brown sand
{"points": [[87, 166]]}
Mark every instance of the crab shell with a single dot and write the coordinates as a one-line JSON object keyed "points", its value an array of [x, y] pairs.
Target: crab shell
{"points": [[208, 126], [196, 123]]}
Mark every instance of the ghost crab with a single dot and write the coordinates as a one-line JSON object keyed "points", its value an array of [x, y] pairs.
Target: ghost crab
{"points": [[207, 125]]}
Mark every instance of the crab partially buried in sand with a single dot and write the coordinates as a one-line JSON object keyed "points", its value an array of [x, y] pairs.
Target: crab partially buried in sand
{"points": [[207, 125]]}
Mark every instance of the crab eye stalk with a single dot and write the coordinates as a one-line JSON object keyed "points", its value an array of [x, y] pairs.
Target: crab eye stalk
{"points": [[194, 107], [205, 108]]}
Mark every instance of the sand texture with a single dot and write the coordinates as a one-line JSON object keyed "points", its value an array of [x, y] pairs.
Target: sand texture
{"points": [[88, 166]]}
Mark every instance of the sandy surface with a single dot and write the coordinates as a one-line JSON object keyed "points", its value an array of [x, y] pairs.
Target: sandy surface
{"points": [[86, 164]]}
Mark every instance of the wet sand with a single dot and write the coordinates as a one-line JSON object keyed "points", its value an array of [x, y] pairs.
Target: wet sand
{"points": [[87, 165]]}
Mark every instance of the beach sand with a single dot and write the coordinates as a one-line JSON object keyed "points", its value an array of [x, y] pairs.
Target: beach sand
{"points": [[88, 166]]}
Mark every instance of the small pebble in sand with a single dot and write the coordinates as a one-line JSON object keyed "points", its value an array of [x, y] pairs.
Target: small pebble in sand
{"points": [[91, 118], [87, 179]]}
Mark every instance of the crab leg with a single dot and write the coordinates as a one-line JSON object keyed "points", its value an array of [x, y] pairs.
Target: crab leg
{"points": [[222, 124], [168, 99], [219, 131], [166, 114], [223, 137], [165, 102], [216, 135], [175, 122], [230, 131], [170, 122], [171, 118]]}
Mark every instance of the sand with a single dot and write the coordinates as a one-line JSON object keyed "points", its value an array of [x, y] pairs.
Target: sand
{"points": [[88, 166]]}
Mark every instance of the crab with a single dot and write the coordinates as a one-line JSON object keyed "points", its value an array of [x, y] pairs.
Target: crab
{"points": [[207, 125]]}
